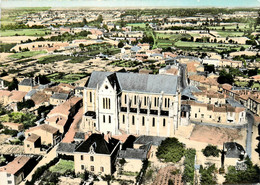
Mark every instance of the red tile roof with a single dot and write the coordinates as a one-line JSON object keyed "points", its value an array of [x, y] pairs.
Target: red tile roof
{"points": [[14, 166]]}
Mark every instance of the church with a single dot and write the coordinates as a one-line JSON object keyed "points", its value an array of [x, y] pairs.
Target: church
{"points": [[131, 103]]}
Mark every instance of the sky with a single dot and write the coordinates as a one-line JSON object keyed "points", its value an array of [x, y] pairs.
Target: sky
{"points": [[130, 3]]}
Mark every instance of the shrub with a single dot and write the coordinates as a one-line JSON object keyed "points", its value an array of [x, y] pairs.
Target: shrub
{"points": [[170, 150], [211, 150]]}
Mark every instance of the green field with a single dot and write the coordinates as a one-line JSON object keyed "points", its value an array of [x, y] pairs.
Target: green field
{"points": [[62, 166], [23, 32], [63, 78], [230, 33], [200, 44], [141, 25], [26, 54]]}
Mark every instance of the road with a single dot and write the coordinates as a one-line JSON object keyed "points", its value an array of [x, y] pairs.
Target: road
{"points": [[250, 119]]}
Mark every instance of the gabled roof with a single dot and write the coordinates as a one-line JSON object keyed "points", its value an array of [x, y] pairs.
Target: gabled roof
{"points": [[154, 140], [26, 82], [16, 165], [33, 138], [66, 147], [45, 127], [137, 82], [98, 143], [60, 96]]}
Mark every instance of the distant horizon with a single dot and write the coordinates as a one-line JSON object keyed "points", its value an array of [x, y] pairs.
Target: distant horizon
{"points": [[131, 3]]}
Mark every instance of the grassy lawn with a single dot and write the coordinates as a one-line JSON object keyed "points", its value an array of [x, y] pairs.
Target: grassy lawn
{"points": [[125, 63], [23, 32], [141, 25], [199, 44], [62, 78], [62, 166], [6, 47], [230, 33], [26, 54]]}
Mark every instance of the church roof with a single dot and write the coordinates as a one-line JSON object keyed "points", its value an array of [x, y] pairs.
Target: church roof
{"points": [[136, 82]]}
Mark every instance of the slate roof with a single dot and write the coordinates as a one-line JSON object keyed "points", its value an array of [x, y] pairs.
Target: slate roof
{"points": [[26, 82], [79, 135], [66, 147], [188, 92], [60, 96], [131, 153], [137, 82], [154, 140], [98, 143], [233, 150]]}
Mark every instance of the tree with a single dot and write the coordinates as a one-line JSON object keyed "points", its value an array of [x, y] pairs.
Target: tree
{"points": [[84, 21], [99, 18], [170, 150], [211, 150], [225, 77], [208, 175], [120, 44], [13, 85]]}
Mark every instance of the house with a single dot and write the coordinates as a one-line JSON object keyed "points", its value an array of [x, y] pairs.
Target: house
{"points": [[58, 98], [13, 126], [48, 134], [131, 159], [141, 104], [96, 155], [209, 113], [154, 141], [26, 85], [15, 172], [61, 116], [233, 150]]}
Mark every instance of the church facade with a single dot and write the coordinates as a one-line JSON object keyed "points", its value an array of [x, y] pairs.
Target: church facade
{"points": [[132, 103]]}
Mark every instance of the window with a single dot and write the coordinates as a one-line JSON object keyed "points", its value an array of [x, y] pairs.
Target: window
{"points": [[8, 175], [195, 115], [133, 120], [153, 122], [168, 103], [125, 99], [102, 169], [82, 167], [109, 119], [92, 168], [199, 110], [90, 96], [210, 116], [104, 119], [28, 145], [123, 118], [202, 115], [91, 158], [155, 101], [165, 102], [9, 182], [145, 100], [135, 100], [143, 121], [81, 157], [106, 103], [164, 122]]}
